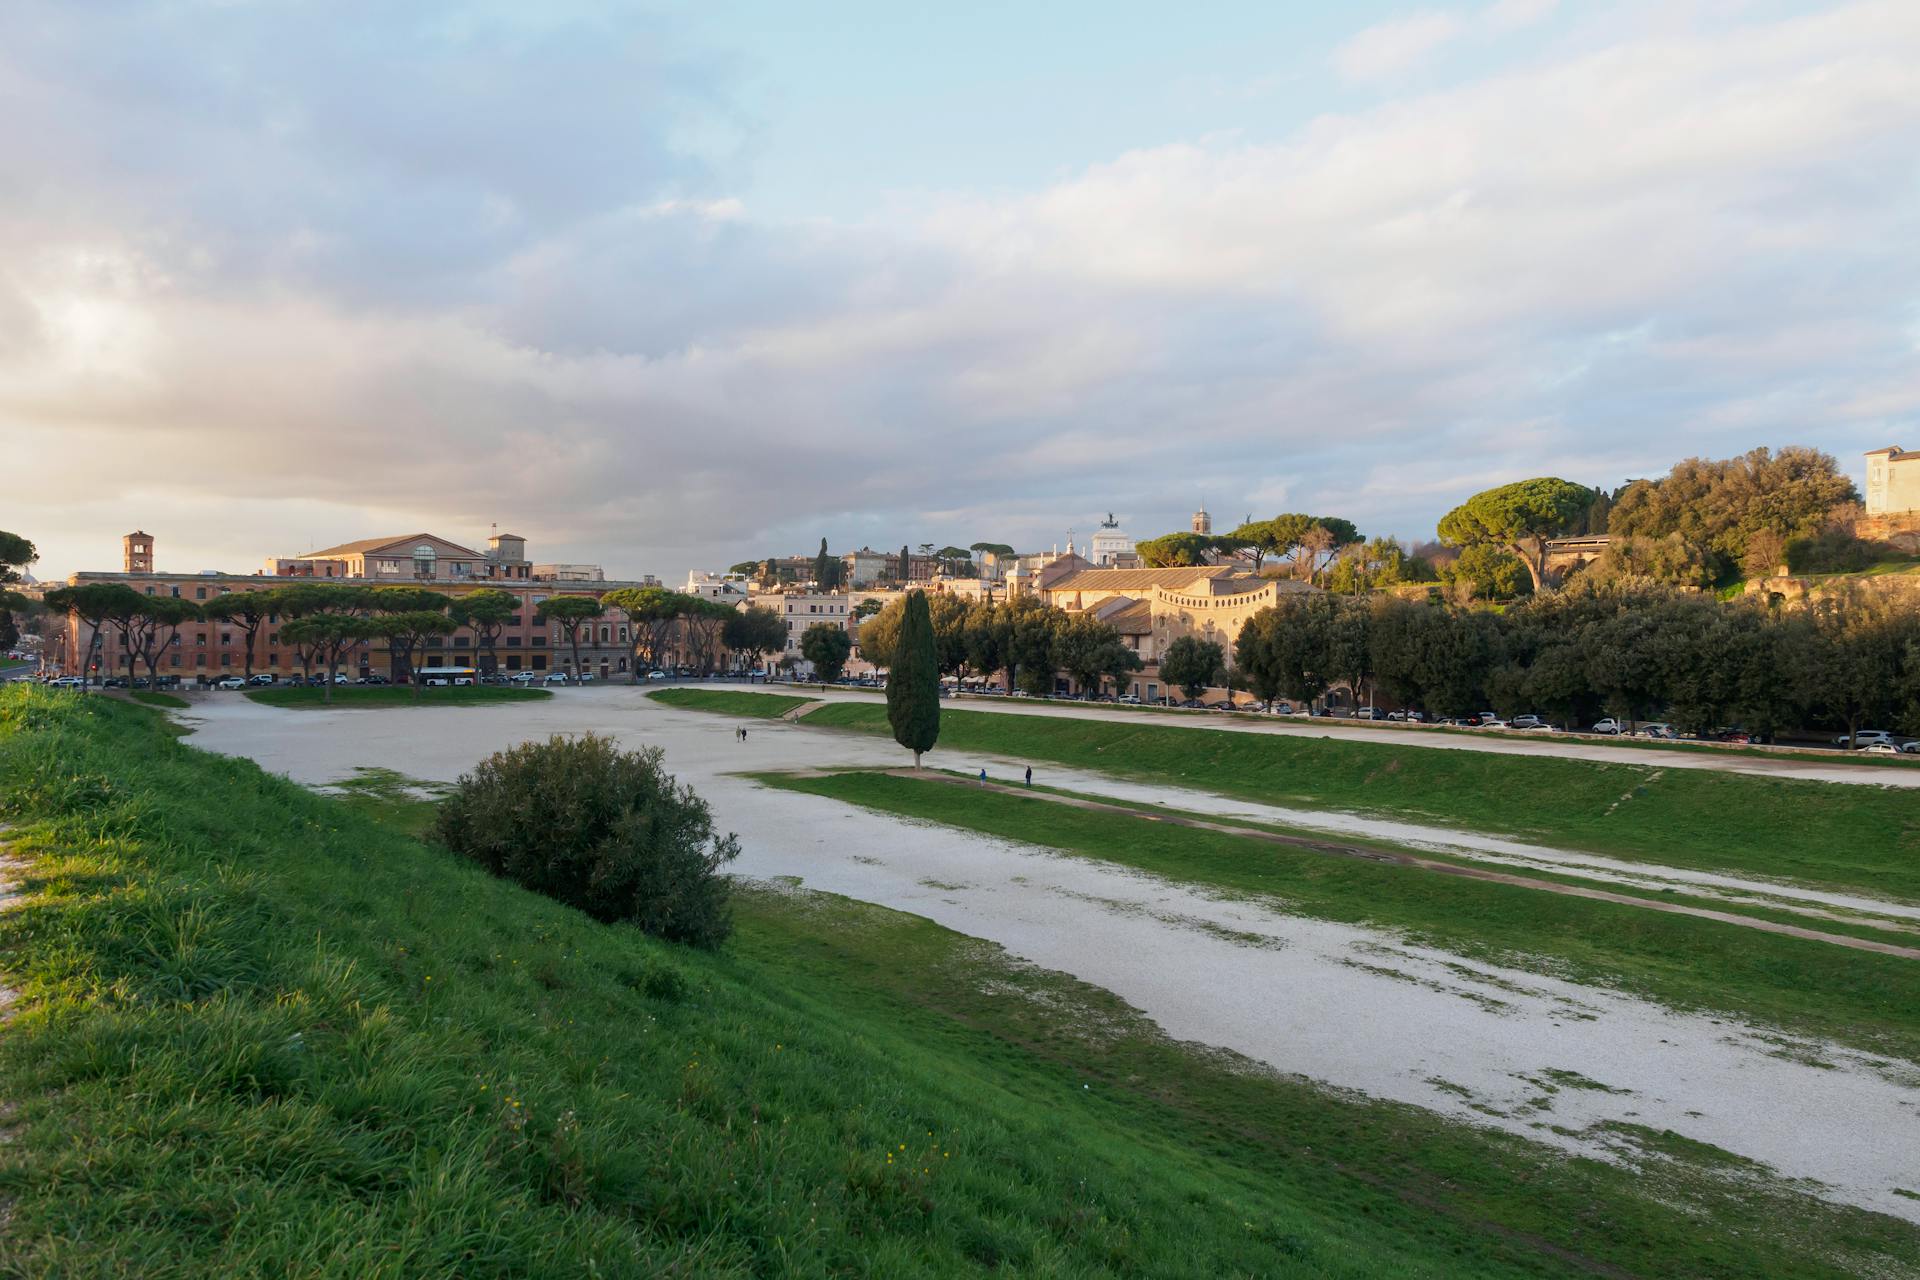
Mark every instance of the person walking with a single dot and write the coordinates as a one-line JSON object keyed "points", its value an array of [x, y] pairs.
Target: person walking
{"points": [[983, 777], [1029, 775]]}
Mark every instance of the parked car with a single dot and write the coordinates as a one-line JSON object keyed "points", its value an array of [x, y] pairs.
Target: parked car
{"points": [[524, 677], [1608, 726], [555, 677], [1911, 748], [66, 682], [1530, 722], [1863, 739], [585, 677], [493, 677], [656, 675], [1657, 731], [230, 682], [1734, 737], [1368, 713], [1881, 749], [260, 680], [1491, 722]]}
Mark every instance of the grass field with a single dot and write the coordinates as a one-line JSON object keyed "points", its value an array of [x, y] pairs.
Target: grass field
{"points": [[1864, 999], [395, 696], [155, 699], [1856, 837], [731, 702], [265, 1032]]}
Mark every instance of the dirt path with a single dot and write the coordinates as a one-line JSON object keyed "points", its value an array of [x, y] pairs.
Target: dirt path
{"points": [[1331, 849]]}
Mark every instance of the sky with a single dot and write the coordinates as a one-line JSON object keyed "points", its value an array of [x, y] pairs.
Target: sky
{"points": [[667, 286]]}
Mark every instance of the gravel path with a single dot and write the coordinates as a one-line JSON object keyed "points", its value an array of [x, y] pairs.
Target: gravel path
{"points": [[1569, 1065]]}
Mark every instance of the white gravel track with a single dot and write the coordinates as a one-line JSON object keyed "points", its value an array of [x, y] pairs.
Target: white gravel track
{"points": [[1354, 1008]]}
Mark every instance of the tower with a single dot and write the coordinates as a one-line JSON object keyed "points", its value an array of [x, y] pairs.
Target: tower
{"points": [[1202, 522], [137, 549]]}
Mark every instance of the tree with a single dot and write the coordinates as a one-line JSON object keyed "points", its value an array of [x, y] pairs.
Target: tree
{"points": [[1349, 647], [1716, 506], [249, 611], [487, 611], [154, 628], [704, 624], [1028, 644], [956, 561], [1284, 648], [407, 633], [16, 553], [1174, 550], [1088, 649], [404, 641], [96, 604], [327, 638], [879, 633], [998, 550], [1489, 572], [650, 613], [827, 570], [1522, 517], [904, 573], [745, 569], [826, 645], [570, 613], [755, 631], [608, 832], [1192, 664], [913, 681], [867, 608]]}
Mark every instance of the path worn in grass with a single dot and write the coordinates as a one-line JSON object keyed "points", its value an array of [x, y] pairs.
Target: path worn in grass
{"points": [[1334, 849]]}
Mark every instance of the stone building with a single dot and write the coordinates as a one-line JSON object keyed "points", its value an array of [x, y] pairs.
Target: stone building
{"points": [[1893, 497]]}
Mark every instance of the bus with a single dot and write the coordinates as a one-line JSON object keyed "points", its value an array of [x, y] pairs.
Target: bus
{"points": [[446, 675]]}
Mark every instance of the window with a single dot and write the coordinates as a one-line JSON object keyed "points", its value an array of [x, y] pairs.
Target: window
{"points": [[174, 660], [513, 642], [149, 590], [199, 659], [200, 638], [176, 593], [226, 659], [199, 593], [539, 662], [226, 637], [513, 662]]}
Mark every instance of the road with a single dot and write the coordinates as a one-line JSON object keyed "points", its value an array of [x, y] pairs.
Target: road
{"points": [[1810, 769]]}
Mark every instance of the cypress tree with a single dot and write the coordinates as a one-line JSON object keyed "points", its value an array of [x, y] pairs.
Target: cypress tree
{"points": [[913, 681]]}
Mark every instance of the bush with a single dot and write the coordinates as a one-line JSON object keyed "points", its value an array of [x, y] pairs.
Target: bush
{"points": [[603, 830]]}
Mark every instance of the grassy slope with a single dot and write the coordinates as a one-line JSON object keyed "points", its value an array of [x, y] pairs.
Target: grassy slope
{"points": [[1859, 998], [153, 699], [394, 696], [1859, 837], [262, 1033], [763, 706]]}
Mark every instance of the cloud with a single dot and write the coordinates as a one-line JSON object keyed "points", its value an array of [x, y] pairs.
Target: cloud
{"points": [[1391, 49], [287, 326], [1515, 15]]}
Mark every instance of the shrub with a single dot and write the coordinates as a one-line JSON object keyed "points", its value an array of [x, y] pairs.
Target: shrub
{"points": [[603, 830]]}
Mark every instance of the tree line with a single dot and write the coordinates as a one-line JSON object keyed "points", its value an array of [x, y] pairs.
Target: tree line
{"points": [[1634, 651], [1024, 638]]}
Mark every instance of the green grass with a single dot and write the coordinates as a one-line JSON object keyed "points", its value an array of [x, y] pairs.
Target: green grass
{"points": [[763, 706], [1864, 999], [1838, 835], [394, 696], [266, 1032], [155, 699]]}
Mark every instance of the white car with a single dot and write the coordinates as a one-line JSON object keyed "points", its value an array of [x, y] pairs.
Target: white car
{"points": [[555, 677], [1492, 722], [656, 675], [1657, 731], [1881, 749], [1132, 700], [1609, 726], [523, 677], [230, 682], [67, 682], [1865, 738]]}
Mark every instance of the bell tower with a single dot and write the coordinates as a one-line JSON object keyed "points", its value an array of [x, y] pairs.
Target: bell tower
{"points": [[137, 552], [1202, 522]]}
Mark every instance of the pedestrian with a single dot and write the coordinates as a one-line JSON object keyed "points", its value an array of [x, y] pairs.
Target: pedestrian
{"points": [[983, 777], [1029, 775]]}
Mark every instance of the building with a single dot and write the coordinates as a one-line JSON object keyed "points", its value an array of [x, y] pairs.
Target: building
{"points": [[415, 558], [215, 648], [1112, 549], [733, 588], [868, 568], [1151, 608], [803, 609], [1893, 497], [1202, 522], [569, 573]]}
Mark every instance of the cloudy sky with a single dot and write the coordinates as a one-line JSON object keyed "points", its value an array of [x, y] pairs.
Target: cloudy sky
{"points": [[664, 286]]}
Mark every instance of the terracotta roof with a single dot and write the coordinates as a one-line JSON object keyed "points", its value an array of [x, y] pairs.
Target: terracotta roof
{"points": [[1128, 617], [375, 544], [1145, 579]]}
